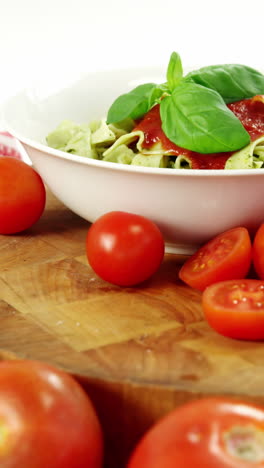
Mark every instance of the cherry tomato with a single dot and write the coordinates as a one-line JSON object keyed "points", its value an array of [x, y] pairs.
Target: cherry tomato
{"points": [[226, 256], [205, 433], [22, 195], [235, 308], [258, 252], [46, 419], [124, 248]]}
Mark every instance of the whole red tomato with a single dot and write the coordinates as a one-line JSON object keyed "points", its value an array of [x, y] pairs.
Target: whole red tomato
{"points": [[46, 419], [22, 195], [124, 248], [206, 433]]}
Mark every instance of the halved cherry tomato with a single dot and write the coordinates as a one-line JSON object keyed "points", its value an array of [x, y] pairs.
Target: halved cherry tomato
{"points": [[258, 252], [124, 248], [22, 195], [205, 433], [235, 308], [226, 256]]}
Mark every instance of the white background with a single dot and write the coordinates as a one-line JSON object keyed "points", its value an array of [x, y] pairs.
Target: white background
{"points": [[41, 38]]}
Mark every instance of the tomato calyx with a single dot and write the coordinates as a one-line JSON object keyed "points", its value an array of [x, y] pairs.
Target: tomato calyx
{"points": [[245, 443]]}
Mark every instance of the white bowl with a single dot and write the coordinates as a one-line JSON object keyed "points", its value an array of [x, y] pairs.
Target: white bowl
{"points": [[189, 206]]}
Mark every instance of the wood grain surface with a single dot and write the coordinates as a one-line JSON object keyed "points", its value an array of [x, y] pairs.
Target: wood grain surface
{"points": [[139, 352]]}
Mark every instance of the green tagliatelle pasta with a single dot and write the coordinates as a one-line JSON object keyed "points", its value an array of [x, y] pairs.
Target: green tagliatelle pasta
{"points": [[118, 144], [250, 157], [106, 142]]}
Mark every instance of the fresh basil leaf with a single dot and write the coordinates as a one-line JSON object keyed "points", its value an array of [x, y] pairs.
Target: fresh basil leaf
{"points": [[174, 71], [134, 104], [232, 82], [155, 95], [196, 118]]}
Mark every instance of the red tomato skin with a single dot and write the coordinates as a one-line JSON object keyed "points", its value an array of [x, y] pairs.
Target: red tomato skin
{"points": [[258, 252], [226, 318], [124, 248], [22, 196], [234, 263], [191, 436], [46, 419]]}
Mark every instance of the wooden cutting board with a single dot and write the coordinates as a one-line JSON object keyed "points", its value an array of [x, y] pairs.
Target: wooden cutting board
{"points": [[138, 352]]}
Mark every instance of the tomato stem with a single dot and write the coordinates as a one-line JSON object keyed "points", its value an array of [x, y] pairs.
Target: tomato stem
{"points": [[245, 443]]}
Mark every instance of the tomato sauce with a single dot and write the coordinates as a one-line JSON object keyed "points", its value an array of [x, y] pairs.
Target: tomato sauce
{"points": [[249, 111], [151, 126], [251, 114], [208, 161]]}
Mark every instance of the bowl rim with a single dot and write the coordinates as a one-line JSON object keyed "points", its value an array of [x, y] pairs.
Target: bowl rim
{"points": [[130, 168], [43, 148]]}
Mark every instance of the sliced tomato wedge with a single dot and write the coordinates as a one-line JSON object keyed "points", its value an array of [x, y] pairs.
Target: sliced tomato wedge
{"points": [[258, 252], [226, 256], [235, 308]]}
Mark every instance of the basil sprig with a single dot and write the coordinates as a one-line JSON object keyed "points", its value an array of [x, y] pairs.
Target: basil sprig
{"points": [[196, 118], [193, 108]]}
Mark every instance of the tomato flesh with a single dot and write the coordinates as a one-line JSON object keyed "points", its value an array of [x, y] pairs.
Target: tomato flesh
{"points": [[124, 248], [227, 256], [235, 308], [205, 433], [22, 195]]}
